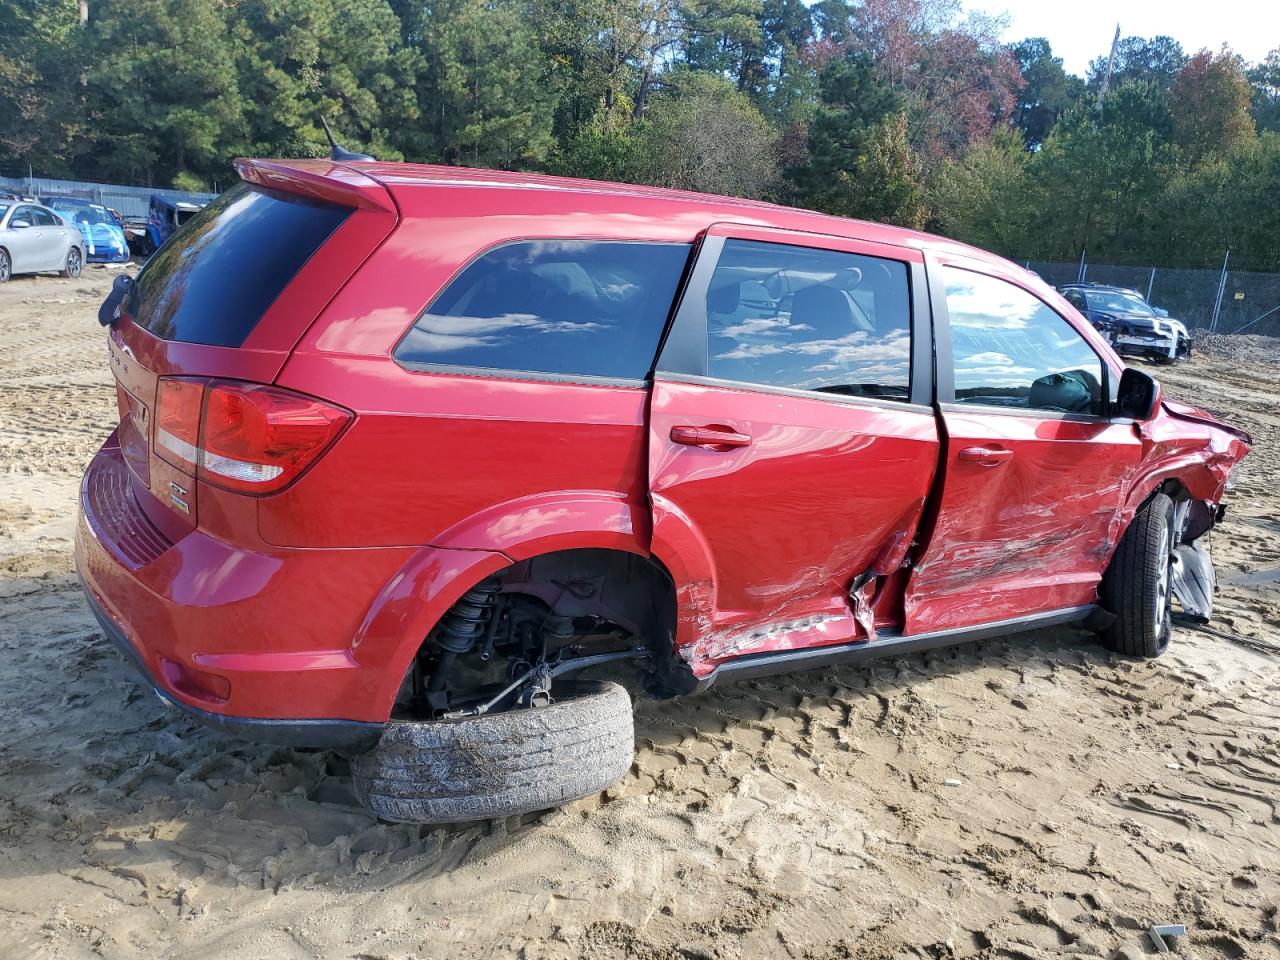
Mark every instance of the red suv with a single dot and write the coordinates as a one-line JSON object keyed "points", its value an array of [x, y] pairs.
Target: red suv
{"points": [[405, 452]]}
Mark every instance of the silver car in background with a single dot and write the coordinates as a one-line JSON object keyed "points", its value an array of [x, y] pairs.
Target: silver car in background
{"points": [[34, 239]]}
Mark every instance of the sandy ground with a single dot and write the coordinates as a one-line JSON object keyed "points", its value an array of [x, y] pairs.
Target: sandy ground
{"points": [[1024, 798]]}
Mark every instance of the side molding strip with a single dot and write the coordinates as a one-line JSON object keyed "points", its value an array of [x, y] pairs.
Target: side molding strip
{"points": [[887, 645]]}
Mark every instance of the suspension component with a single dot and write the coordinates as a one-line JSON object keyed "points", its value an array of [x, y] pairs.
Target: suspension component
{"points": [[462, 627], [466, 620]]}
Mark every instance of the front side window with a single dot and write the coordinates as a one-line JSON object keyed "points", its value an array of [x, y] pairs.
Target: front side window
{"points": [[586, 308], [1011, 350], [810, 319]]}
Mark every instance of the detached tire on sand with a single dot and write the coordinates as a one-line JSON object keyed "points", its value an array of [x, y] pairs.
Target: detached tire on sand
{"points": [[501, 764]]}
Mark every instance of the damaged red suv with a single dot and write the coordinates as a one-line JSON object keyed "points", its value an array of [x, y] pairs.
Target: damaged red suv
{"points": [[408, 453]]}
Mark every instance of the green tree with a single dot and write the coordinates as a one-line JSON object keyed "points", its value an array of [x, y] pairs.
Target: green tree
{"points": [[486, 87], [162, 88], [860, 161], [1226, 201], [1101, 174], [41, 100], [1156, 61], [989, 197], [1210, 105], [1265, 78], [346, 60], [1047, 89], [703, 134]]}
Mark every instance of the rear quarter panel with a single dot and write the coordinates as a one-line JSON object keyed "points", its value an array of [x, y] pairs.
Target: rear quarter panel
{"points": [[464, 460]]}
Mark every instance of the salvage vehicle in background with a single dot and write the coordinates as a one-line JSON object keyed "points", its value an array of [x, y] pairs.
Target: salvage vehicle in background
{"points": [[164, 217], [1130, 324], [104, 237], [34, 239], [405, 452]]}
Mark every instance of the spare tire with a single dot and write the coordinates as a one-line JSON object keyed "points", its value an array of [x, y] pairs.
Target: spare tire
{"points": [[499, 764]]}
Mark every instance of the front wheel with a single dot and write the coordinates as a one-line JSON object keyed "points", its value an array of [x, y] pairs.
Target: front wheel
{"points": [[498, 764], [73, 265], [1137, 584], [6, 266]]}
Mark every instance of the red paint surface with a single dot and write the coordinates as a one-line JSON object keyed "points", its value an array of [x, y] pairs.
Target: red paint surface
{"points": [[312, 602]]}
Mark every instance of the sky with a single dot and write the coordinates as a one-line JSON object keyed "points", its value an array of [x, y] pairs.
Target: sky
{"points": [[1080, 30]]}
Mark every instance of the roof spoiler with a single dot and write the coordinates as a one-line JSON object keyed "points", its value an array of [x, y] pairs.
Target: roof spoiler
{"points": [[322, 180]]}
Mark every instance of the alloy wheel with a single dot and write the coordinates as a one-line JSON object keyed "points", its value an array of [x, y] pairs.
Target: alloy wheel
{"points": [[1164, 599]]}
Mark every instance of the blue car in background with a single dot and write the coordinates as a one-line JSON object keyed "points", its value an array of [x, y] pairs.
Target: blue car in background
{"points": [[164, 217], [104, 239]]}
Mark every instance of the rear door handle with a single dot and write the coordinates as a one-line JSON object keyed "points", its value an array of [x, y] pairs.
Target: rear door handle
{"points": [[986, 456], [709, 436]]}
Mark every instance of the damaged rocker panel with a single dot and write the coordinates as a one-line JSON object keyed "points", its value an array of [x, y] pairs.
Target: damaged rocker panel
{"points": [[887, 644]]}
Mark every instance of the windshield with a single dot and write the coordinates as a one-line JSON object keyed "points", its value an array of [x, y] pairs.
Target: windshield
{"points": [[3, 208], [1118, 303], [75, 213]]}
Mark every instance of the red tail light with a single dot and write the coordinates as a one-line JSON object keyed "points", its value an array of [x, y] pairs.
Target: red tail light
{"points": [[243, 436], [178, 421]]}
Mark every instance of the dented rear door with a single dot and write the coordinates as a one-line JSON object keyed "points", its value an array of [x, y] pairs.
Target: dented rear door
{"points": [[792, 447]]}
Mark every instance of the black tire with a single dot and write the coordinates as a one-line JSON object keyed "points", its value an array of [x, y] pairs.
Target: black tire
{"points": [[6, 266], [1137, 586], [75, 263], [501, 764]]}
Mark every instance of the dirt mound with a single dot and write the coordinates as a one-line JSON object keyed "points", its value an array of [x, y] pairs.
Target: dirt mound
{"points": [[1237, 346]]}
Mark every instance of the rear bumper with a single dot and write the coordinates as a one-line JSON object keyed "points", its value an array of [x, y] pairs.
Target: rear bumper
{"points": [[351, 736], [255, 640]]}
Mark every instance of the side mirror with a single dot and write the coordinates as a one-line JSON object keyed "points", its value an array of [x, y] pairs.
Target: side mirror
{"points": [[1138, 396], [19, 224]]}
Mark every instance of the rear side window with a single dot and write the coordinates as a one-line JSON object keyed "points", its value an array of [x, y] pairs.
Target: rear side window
{"points": [[810, 319], [585, 308], [215, 277]]}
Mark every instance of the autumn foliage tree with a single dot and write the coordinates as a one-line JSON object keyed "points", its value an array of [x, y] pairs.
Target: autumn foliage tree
{"points": [[1209, 104], [908, 111]]}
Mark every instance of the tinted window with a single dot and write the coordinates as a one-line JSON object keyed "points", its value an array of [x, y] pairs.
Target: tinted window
{"points": [[578, 308], [1009, 349], [810, 319], [213, 279], [43, 218]]}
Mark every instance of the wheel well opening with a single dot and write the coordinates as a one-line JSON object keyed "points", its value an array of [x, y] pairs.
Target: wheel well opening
{"points": [[560, 613]]}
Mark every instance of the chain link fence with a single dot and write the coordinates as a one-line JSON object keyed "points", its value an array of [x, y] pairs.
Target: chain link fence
{"points": [[1230, 301]]}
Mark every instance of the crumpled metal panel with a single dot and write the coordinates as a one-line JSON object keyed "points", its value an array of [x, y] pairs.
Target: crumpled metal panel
{"points": [[1194, 580]]}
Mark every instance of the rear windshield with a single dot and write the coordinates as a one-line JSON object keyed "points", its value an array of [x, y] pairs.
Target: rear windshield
{"points": [[576, 308], [221, 271]]}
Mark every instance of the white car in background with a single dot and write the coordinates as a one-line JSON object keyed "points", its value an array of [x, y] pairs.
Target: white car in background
{"points": [[34, 239]]}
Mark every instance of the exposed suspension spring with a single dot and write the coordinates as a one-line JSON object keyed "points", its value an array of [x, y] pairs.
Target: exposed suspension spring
{"points": [[463, 626]]}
